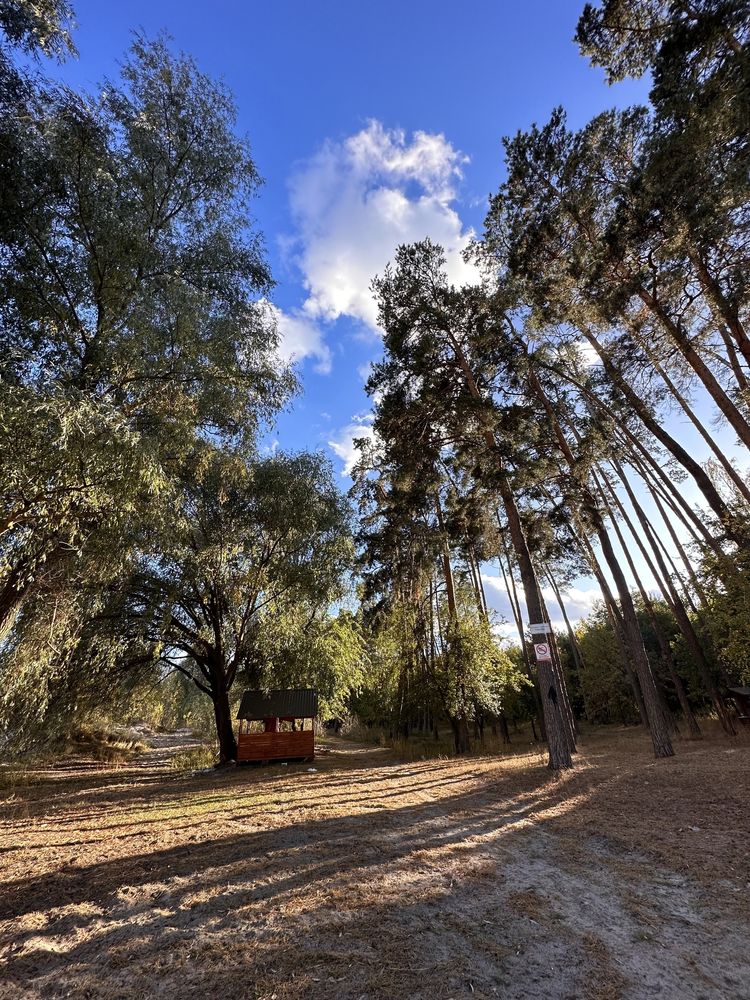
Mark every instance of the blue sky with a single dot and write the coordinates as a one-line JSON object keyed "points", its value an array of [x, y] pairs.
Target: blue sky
{"points": [[372, 125]]}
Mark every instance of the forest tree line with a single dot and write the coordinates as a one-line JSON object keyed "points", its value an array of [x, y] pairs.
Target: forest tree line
{"points": [[523, 422]]}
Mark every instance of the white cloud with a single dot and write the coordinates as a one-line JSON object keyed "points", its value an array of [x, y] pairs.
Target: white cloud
{"points": [[578, 603], [343, 443], [355, 201], [300, 338], [589, 354], [507, 630]]}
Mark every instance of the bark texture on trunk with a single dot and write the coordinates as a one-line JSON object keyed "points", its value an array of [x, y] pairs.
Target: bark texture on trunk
{"points": [[22, 578], [664, 648], [733, 414], [657, 723], [224, 727], [556, 724], [615, 618], [631, 630]]}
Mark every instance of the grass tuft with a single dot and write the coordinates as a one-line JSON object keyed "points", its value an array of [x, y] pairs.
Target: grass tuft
{"points": [[194, 758]]}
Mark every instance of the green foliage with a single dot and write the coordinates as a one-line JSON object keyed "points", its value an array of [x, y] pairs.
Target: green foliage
{"points": [[254, 544], [471, 675], [605, 691], [475, 674], [38, 26], [326, 651], [604, 688], [132, 323], [726, 619], [134, 330], [149, 557], [242, 584], [169, 702]]}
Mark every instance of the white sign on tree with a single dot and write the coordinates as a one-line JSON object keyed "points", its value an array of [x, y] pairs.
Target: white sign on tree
{"points": [[542, 652]]}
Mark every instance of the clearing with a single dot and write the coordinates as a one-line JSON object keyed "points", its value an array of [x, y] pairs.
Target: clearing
{"points": [[369, 877]]}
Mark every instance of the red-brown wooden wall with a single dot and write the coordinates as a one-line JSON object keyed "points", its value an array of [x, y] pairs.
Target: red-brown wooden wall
{"points": [[275, 746]]}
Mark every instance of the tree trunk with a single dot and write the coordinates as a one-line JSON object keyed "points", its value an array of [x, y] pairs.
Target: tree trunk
{"points": [[504, 729], [575, 648], [461, 724], [618, 627], [12, 593], [560, 674], [719, 301], [664, 647], [651, 472], [21, 579], [734, 361], [224, 727], [510, 587], [737, 480], [461, 739], [733, 415], [657, 723], [681, 615], [559, 734], [560, 738], [702, 479]]}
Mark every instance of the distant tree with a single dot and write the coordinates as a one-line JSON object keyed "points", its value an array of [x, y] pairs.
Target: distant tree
{"points": [[603, 683]]}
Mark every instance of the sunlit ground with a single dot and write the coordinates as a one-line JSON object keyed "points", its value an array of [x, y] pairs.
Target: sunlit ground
{"points": [[360, 876]]}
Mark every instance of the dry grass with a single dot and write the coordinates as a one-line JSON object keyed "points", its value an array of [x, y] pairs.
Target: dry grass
{"points": [[104, 745], [198, 758], [371, 877]]}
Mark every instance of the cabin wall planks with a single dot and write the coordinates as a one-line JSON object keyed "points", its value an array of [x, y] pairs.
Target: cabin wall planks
{"points": [[275, 746]]}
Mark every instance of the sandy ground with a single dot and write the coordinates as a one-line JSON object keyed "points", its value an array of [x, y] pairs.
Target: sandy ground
{"points": [[373, 878]]}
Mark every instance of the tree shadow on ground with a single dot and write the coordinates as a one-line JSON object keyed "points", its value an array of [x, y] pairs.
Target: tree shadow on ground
{"points": [[455, 885]]}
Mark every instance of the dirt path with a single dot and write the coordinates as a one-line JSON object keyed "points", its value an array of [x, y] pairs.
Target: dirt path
{"points": [[372, 878]]}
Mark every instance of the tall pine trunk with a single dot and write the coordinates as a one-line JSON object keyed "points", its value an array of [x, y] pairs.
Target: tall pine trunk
{"points": [[681, 615], [701, 477], [657, 723], [664, 647], [560, 736], [459, 724], [679, 335], [615, 618]]}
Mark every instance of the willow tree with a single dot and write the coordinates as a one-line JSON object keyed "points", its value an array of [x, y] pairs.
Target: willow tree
{"points": [[131, 320], [41, 26], [257, 547]]}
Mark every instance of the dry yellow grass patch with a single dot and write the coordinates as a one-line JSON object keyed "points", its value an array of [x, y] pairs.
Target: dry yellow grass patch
{"points": [[373, 877]]}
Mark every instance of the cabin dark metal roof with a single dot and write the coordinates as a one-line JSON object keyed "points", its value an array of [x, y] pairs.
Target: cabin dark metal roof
{"points": [[298, 703], [743, 691]]}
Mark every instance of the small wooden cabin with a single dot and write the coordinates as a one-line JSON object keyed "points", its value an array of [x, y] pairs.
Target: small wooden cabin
{"points": [[740, 698], [277, 725]]}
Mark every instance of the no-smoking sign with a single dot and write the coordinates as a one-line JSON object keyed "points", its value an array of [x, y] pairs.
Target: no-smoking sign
{"points": [[542, 652]]}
